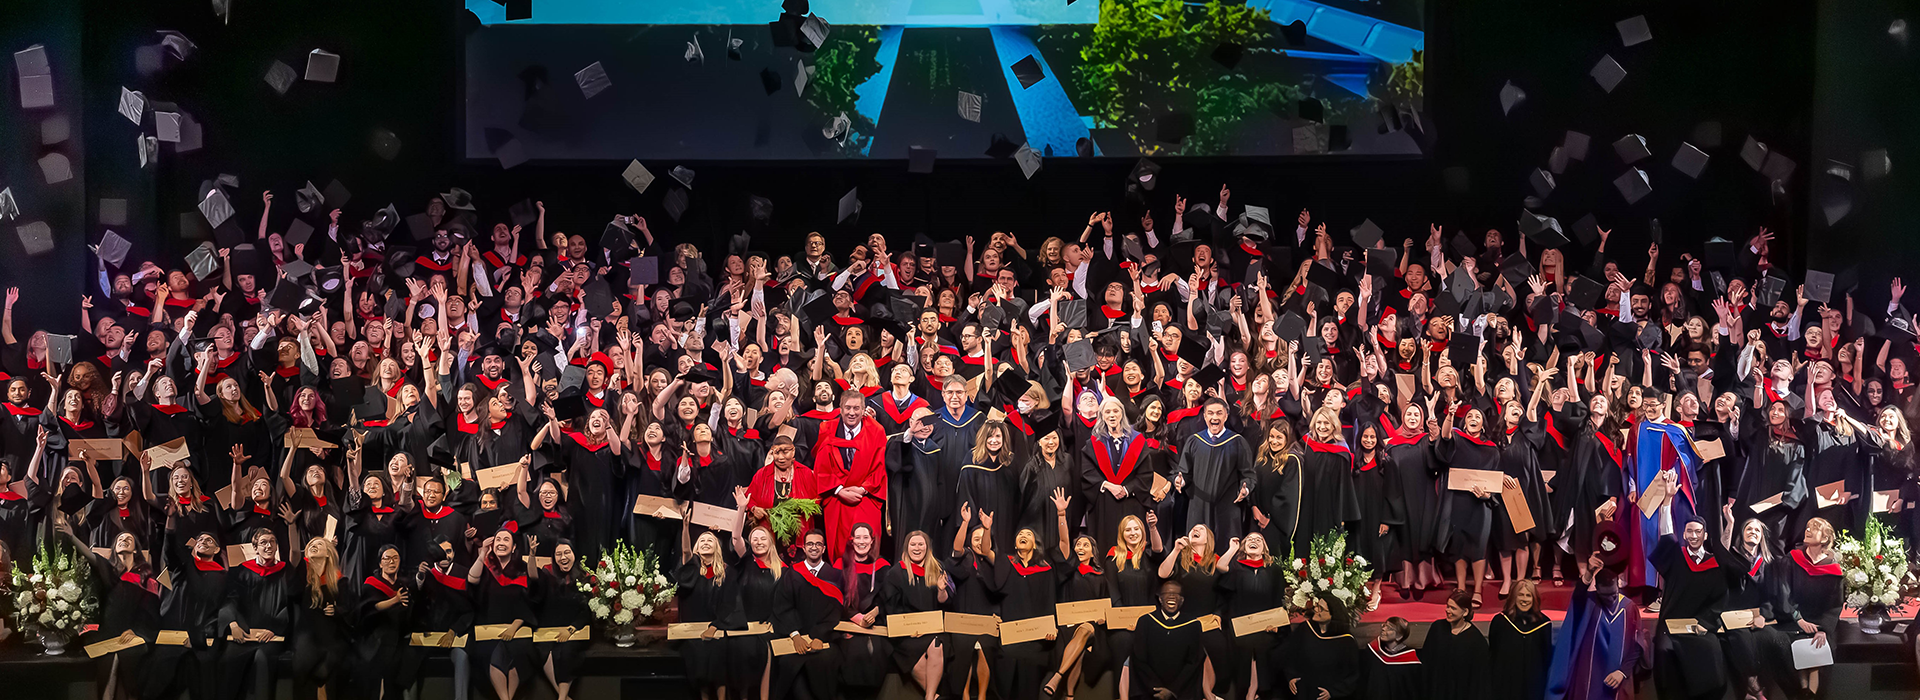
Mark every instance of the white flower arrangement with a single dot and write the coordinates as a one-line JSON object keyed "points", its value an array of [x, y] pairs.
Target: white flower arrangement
{"points": [[627, 587], [1875, 566], [1327, 569], [52, 595]]}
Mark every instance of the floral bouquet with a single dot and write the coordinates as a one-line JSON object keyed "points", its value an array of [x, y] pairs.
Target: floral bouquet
{"points": [[1874, 568], [626, 589], [1328, 569], [53, 596]]}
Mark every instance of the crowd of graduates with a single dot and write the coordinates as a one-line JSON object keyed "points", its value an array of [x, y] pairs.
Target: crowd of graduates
{"points": [[360, 444]]}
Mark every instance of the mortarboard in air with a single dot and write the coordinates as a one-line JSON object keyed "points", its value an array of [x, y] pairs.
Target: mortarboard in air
{"points": [[849, 205], [202, 261], [592, 79], [386, 144], [969, 106], [1311, 110], [523, 213], [506, 148], [1028, 71], [36, 238], [60, 349], [1461, 245], [1079, 355], [1382, 262], [55, 129], [420, 226], [1192, 350], [1463, 349], [286, 296], [216, 208], [328, 279], [56, 168], [1516, 269], [759, 209], [644, 270], [785, 31], [819, 310], [336, 195], [571, 404], [1633, 30], [993, 316], [296, 269], [133, 104], [308, 198], [1840, 170], [1576, 144], [1584, 292], [113, 249], [1819, 286], [950, 253], [1557, 160], [281, 77], [693, 52], [1633, 185], [1290, 327], [683, 175], [1544, 310], [598, 298], [1768, 291], [801, 77], [229, 234], [8, 207], [1174, 127], [1587, 229], [1028, 159], [1608, 73], [1778, 167], [113, 211], [1510, 97], [1874, 164], [733, 46], [1228, 55], [1754, 153], [814, 30], [1145, 172], [1131, 248], [769, 80], [1690, 160], [1718, 253], [36, 77], [675, 203], [1072, 313], [1631, 148], [1542, 182], [322, 66], [1209, 376], [1836, 202], [1255, 222], [637, 176], [920, 160]]}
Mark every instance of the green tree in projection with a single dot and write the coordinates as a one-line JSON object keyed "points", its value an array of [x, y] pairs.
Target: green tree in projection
{"points": [[1150, 56], [847, 61]]}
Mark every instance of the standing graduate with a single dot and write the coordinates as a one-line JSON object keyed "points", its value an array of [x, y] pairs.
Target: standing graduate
{"points": [[1321, 660], [917, 465], [1383, 510], [1465, 517], [562, 604], [1688, 664], [1598, 653], [1752, 649], [805, 610], [1216, 473], [849, 463], [863, 656], [1520, 638], [381, 621], [990, 482], [1811, 594], [706, 594], [1455, 654], [1252, 583], [973, 659], [1410, 453], [1117, 478], [1166, 655], [1328, 503], [1393, 670]]}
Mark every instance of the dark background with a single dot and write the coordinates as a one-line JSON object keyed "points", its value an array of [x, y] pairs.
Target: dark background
{"points": [[1749, 66]]}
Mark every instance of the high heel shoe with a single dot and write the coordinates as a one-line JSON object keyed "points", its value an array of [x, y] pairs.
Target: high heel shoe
{"points": [[1052, 685]]}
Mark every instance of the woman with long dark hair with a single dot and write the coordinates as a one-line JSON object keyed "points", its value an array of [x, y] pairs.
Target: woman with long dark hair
{"points": [[1752, 649], [130, 608], [562, 605], [972, 565], [862, 573], [503, 600], [1321, 660]]}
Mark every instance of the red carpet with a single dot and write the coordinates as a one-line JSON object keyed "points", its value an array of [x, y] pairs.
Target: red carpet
{"points": [[1431, 604]]}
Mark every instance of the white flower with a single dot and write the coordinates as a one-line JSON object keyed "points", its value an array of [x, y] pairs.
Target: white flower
{"points": [[1300, 598], [1297, 564], [1359, 560], [1343, 594], [1859, 577], [598, 608], [630, 599], [1322, 584], [629, 581], [1856, 600], [1887, 598], [646, 611], [609, 594], [61, 605], [1849, 547], [46, 618], [69, 591], [1886, 569], [659, 580], [36, 578], [623, 617]]}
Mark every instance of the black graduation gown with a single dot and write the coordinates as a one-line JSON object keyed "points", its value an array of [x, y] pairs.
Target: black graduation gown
{"points": [[1382, 501], [1166, 654], [1691, 665], [1216, 469], [1752, 652], [1328, 503], [1102, 461], [1457, 664], [920, 478], [1037, 484], [863, 656], [560, 603], [1392, 675], [1027, 591], [1773, 467], [1519, 459], [259, 598], [808, 604], [419, 525], [900, 595], [128, 602], [1593, 475], [974, 593], [500, 598], [1812, 592], [993, 488], [1420, 495], [1277, 494], [441, 603], [1322, 659], [1522, 647], [1248, 589], [1833, 456], [702, 599], [380, 634], [19, 514], [747, 654], [366, 529], [592, 499], [1088, 581], [1464, 520]]}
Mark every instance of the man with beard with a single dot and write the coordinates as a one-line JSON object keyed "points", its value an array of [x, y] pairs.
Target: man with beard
{"points": [[1216, 472], [924, 472]]}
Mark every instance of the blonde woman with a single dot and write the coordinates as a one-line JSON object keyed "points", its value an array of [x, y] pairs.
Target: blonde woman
{"points": [[1112, 467], [917, 584], [1252, 582], [1131, 582], [320, 634], [1812, 594], [701, 587], [759, 584]]}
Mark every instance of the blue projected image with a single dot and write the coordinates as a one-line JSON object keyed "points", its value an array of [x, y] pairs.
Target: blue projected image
{"points": [[740, 79]]}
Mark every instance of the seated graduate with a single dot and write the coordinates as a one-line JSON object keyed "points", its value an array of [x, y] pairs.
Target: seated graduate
{"points": [[1166, 652], [1455, 653], [1321, 661], [1393, 669]]}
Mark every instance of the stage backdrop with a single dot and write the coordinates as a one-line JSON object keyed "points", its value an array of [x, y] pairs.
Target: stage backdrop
{"points": [[743, 80]]}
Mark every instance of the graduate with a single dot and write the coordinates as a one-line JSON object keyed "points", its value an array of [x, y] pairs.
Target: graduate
{"points": [[972, 660], [1321, 659], [918, 584], [1216, 473], [1392, 670], [705, 594], [1520, 638], [1166, 653], [1465, 518], [1752, 649], [1130, 567], [805, 610], [385, 602], [1455, 654], [193, 606], [861, 571], [561, 604], [1689, 664], [443, 611], [1251, 582], [1329, 502], [1598, 653], [1409, 452], [1029, 580], [990, 482], [1811, 595], [262, 597], [850, 468], [1117, 479], [918, 466]]}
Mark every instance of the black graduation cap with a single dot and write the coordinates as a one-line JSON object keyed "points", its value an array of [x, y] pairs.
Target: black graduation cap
{"points": [[1517, 269], [950, 253], [1656, 232], [993, 317], [1312, 110], [1462, 246], [770, 81], [1587, 229], [786, 30], [287, 296], [1648, 338], [60, 349], [569, 405], [1719, 253], [1078, 355], [1382, 262], [1072, 313], [1192, 350], [1145, 172], [1012, 383], [598, 298], [1445, 304], [644, 270], [1043, 423], [820, 310], [228, 234], [1545, 310], [1209, 376], [1462, 349], [1584, 292], [1028, 71], [1768, 290], [523, 213], [1290, 327], [1819, 286], [1367, 234], [1899, 327], [249, 260], [420, 226]]}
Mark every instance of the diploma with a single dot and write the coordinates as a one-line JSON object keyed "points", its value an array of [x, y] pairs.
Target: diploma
{"points": [[1765, 504], [1740, 619], [1259, 622], [101, 449], [239, 553], [911, 624], [1466, 479], [1517, 511], [498, 477], [849, 627], [548, 635], [1883, 500], [172, 638], [432, 639], [304, 437], [1710, 450], [168, 453], [960, 623], [691, 630], [656, 506], [1095, 611], [1685, 625], [120, 643], [1027, 630], [488, 633], [715, 517], [1830, 495], [757, 628], [1124, 618], [785, 645], [1209, 623]]}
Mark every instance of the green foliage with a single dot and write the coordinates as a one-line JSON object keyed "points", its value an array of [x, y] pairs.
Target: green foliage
{"points": [[1149, 55], [1406, 82], [787, 517], [847, 61]]}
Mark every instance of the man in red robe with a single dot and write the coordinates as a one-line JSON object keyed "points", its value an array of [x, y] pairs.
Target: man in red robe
{"points": [[850, 469]]}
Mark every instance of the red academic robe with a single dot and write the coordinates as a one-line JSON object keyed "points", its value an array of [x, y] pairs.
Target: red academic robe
{"points": [[868, 471]]}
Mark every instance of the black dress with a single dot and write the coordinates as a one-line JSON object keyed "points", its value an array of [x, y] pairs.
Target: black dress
{"points": [[974, 594], [747, 654], [1027, 591], [1382, 502], [1457, 664], [1322, 656], [901, 594], [1420, 495], [1087, 582], [1464, 520], [560, 603], [703, 599], [500, 598], [381, 634], [1250, 587], [863, 656], [1521, 645]]}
